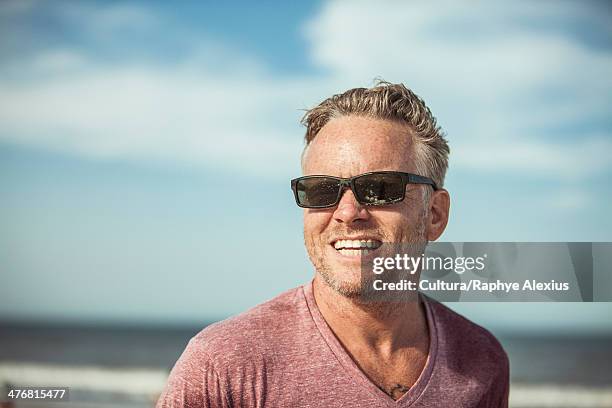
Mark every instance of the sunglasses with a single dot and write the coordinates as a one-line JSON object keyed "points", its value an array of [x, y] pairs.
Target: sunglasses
{"points": [[375, 188]]}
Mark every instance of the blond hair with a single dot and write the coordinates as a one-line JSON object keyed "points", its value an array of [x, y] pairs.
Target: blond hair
{"points": [[392, 102]]}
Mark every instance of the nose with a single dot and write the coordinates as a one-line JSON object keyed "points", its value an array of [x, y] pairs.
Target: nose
{"points": [[349, 210]]}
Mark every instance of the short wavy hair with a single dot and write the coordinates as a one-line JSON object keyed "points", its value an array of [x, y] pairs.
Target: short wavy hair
{"points": [[392, 102]]}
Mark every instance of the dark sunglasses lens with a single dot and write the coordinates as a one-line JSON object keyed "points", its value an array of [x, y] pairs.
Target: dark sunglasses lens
{"points": [[379, 189], [317, 192]]}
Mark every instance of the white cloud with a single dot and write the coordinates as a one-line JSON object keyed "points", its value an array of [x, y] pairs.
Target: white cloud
{"points": [[216, 107], [489, 78], [110, 19], [570, 160], [13, 7], [500, 86], [175, 115], [571, 200]]}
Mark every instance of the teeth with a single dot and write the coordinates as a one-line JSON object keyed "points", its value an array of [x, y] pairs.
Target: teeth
{"points": [[364, 244], [354, 252]]}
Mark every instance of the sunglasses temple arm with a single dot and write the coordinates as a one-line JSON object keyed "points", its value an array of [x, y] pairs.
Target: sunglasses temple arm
{"points": [[416, 179]]}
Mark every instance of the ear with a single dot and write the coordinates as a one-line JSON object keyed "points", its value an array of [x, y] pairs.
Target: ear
{"points": [[439, 208]]}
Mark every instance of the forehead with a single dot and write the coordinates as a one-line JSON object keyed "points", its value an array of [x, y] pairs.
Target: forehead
{"points": [[351, 145]]}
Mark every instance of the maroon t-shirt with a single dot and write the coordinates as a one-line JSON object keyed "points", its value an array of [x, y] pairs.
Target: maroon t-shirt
{"points": [[282, 353]]}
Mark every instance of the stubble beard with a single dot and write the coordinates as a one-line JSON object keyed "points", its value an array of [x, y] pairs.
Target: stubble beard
{"points": [[363, 287]]}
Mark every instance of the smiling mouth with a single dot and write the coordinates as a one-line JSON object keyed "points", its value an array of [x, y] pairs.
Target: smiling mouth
{"points": [[356, 247]]}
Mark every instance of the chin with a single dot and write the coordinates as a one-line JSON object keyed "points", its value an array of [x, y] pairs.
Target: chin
{"points": [[348, 284], [341, 273]]}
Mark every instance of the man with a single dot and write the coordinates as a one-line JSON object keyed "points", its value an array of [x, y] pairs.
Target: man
{"points": [[324, 344]]}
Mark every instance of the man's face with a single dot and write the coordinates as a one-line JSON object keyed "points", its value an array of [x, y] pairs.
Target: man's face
{"points": [[346, 147]]}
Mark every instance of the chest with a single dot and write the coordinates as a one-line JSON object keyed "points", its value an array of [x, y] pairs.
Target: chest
{"points": [[394, 376]]}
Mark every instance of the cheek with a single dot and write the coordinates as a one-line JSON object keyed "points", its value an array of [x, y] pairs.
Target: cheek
{"points": [[314, 224], [398, 225]]}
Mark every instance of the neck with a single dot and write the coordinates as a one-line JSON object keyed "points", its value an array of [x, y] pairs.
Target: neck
{"points": [[382, 328]]}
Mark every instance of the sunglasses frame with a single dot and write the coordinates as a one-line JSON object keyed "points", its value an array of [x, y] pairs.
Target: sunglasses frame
{"points": [[407, 178]]}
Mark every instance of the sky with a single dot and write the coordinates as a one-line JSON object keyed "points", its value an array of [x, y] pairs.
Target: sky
{"points": [[146, 148]]}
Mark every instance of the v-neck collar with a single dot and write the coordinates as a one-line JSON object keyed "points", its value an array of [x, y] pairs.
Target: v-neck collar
{"points": [[353, 369]]}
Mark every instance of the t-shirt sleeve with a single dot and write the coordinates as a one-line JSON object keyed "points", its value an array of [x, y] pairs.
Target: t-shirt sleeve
{"points": [[504, 385], [500, 387], [193, 382]]}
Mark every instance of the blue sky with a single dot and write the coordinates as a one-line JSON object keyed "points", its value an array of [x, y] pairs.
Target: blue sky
{"points": [[146, 147]]}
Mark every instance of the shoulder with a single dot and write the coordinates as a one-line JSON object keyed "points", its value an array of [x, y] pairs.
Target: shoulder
{"points": [[232, 356], [254, 334], [468, 344]]}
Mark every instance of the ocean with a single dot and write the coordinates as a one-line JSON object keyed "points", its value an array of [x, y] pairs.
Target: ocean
{"points": [[110, 366]]}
